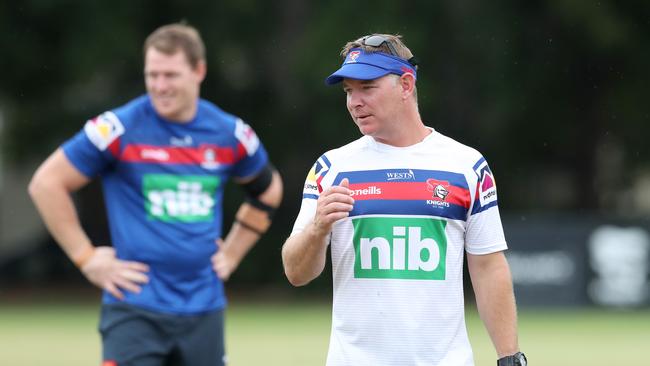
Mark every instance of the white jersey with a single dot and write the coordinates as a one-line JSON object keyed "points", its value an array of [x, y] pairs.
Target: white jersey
{"points": [[397, 259]]}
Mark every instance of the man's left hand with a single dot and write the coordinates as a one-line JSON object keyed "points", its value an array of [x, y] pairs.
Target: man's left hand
{"points": [[223, 264]]}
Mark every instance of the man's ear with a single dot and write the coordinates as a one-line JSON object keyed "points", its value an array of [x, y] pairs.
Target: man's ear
{"points": [[201, 70], [407, 82]]}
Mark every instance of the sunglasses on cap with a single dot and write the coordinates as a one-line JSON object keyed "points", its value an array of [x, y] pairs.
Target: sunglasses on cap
{"points": [[377, 41]]}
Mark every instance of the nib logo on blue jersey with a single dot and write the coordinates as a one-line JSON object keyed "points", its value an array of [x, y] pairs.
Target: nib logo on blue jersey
{"points": [[173, 198]]}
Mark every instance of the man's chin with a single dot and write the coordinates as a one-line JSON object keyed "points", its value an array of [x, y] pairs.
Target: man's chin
{"points": [[165, 111], [367, 130]]}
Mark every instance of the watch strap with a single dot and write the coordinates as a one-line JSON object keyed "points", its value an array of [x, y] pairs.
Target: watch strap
{"points": [[512, 360]]}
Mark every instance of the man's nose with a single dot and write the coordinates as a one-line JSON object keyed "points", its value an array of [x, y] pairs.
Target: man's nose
{"points": [[160, 83], [354, 99]]}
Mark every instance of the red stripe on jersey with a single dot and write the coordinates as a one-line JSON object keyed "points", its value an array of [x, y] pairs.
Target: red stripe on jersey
{"points": [[178, 155], [407, 191], [241, 151], [318, 181], [114, 147]]}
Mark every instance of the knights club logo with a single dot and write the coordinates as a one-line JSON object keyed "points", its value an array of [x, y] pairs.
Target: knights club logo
{"points": [[210, 159], [353, 56], [439, 188]]}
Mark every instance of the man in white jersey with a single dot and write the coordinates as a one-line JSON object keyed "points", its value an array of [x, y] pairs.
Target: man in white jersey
{"points": [[399, 207]]}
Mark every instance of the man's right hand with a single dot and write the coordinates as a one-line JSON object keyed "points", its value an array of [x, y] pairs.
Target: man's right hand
{"points": [[333, 204], [106, 271]]}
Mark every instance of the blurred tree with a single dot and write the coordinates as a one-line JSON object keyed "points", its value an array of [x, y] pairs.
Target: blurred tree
{"points": [[551, 92]]}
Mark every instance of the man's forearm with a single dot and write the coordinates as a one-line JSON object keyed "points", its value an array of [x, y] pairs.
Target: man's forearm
{"points": [[57, 210], [50, 189], [495, 300], [239, 241], [252, 220], [304, 256]]}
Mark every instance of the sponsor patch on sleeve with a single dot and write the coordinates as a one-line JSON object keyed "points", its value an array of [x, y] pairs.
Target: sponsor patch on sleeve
{"points": [[104, 129], [316, 174], [487, 188], [246, 137], [321, 168], [311, 186]]}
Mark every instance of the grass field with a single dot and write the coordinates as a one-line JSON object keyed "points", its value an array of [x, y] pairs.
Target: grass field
{"points": [[271, 333]]}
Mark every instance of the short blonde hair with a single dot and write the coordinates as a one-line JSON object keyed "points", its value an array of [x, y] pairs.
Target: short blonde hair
{"points": [[171, 38], [394, 39]]}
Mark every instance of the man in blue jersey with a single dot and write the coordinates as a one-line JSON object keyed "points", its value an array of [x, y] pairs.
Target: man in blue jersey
{"points": [[163, 159], [400, 208]]}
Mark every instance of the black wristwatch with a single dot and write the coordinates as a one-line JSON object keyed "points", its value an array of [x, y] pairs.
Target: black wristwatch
{"points": [[518, 359]]}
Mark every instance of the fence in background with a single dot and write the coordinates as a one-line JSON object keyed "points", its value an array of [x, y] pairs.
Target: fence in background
{"points": [[571, 260]]}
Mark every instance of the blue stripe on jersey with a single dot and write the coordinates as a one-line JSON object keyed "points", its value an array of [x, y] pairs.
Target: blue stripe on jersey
{"points": [[480, 174], [478, 208], [322, 168], [408, 175], [326, 161], [310, 196], [478, 163], [408, 207], [318, 167]]}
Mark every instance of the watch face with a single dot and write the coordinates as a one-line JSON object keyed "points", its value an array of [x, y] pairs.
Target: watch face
{"points": [[521, 359]]}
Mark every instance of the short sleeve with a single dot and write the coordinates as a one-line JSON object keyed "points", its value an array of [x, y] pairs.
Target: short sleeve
{"points": [[310, 193], [94, 149], [484, 233], [254, 156]]}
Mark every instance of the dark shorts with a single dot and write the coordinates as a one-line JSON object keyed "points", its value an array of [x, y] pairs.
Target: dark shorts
{"points": [[134, 336]]}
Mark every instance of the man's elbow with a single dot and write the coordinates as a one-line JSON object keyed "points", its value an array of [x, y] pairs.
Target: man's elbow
{"points": [[273, 194], [37, 186], [296, 279]]}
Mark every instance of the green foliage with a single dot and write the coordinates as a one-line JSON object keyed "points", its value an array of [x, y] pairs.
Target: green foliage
{"points": [[538, 84], [551, 92]]}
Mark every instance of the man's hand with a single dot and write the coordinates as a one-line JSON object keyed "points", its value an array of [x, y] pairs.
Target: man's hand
{"points": [[222, 263], [109, 273], [304, 254], [333, 204]]}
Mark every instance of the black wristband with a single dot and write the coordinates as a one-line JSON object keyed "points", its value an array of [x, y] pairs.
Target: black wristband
{"points": [[253, 201], [518, 359]]}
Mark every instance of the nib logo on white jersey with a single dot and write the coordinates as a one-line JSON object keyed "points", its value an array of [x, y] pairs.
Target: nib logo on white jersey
{"points": [[399, 248]]}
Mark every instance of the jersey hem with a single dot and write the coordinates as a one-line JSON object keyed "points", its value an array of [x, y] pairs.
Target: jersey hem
{"points": [[174, 311], [498, 247]]}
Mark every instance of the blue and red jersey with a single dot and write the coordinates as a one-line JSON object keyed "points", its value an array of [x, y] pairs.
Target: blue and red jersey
{"points": [[163, 186]]}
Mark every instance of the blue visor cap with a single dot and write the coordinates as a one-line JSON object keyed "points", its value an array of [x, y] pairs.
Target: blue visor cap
{"points": [[362, 65]]}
